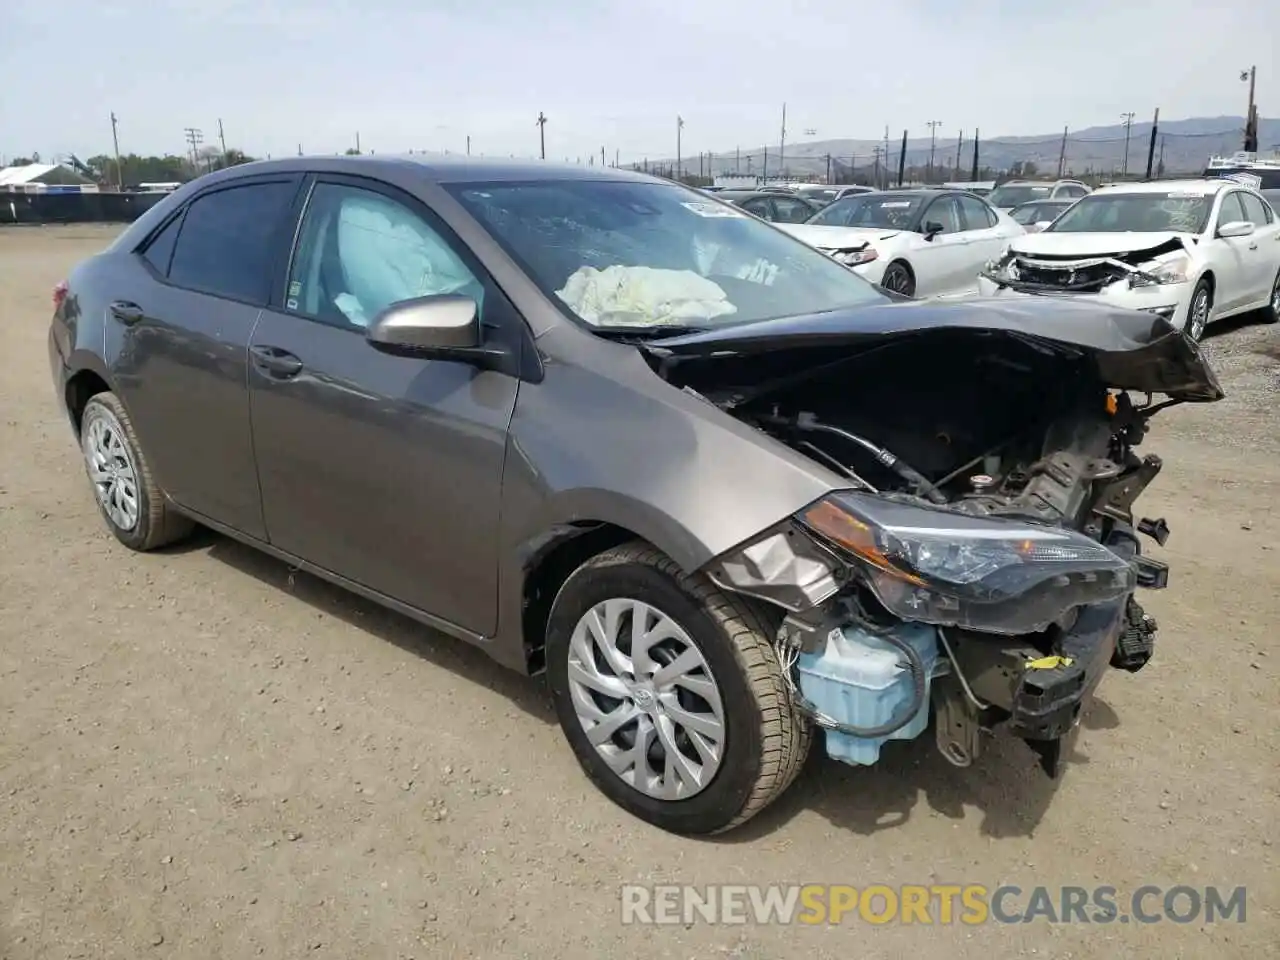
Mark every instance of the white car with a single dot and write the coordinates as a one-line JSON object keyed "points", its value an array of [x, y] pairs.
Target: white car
{"points": [[1191, 251], [918, 243]]}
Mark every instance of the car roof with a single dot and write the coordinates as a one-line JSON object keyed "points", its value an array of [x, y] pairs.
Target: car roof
{"points": [[1208, 185], [1043, 200], [443, 169]]}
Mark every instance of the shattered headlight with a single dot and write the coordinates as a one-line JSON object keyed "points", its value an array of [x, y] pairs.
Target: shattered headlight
{"points": [[991, 575], [853, 258], [1173, 270], [1004, 268]]}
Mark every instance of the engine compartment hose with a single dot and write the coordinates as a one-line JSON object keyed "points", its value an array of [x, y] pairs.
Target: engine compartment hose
{"points": [[920, 690], [918, 481]]}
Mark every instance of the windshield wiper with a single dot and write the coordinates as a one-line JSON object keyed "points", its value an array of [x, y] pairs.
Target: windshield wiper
{"points": [[657, 331]]}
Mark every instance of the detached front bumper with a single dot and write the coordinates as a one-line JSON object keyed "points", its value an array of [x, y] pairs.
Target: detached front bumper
{"points": [[1170, 300]]}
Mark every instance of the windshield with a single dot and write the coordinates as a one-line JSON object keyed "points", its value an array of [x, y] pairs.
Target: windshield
{"points": [[646, 255], [819, 194], [1010, 195], [1179, 211], [1037, 212], [877, 210]]}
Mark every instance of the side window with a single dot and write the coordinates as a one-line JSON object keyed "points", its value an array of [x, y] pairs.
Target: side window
{"points": [[1071, 190], [360, 251], [159, 251], [791, 210], [1255, 210], [976, 214], [944, 211], [225, 246], [1231, 210], [758, 206]]}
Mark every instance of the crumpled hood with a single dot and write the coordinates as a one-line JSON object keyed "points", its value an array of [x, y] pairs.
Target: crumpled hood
{"points": [[837, 238], [1131, 349], [1054, 244]]}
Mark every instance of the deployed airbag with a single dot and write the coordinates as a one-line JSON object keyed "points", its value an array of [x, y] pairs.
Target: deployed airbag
{"points": [[620, 295]]}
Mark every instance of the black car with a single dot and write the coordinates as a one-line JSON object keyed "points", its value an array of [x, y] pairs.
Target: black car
{"points": [[771, 205]]}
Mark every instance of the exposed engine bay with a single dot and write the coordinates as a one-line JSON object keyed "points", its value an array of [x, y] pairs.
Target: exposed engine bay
{"points": [[990, 427]]}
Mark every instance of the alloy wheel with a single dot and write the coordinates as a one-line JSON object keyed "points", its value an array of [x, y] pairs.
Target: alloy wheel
{"points": [[898, 280], [111, 469], [1198, 315], [646, 699]]}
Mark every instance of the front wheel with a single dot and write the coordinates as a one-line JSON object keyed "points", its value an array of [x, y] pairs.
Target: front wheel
{"points": [[899, 279], [670, 693], [1198, 311]]}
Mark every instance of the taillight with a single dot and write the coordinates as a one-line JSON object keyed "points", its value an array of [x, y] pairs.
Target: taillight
{"points": [[59, 294]]}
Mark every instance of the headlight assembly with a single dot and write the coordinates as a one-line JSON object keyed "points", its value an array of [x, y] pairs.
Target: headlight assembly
{"points": [[1173, 270], [991, 575], [854, 258]]}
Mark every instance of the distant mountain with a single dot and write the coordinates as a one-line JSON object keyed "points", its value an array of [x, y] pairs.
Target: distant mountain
{"points": [[1184, 144]]}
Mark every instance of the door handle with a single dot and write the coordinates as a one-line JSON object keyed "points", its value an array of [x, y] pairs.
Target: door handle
{"points": [[1253, 246], [275, 360], [126, 312]]}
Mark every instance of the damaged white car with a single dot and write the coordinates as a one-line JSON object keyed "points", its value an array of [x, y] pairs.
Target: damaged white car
{"points": [[1189, 251]]}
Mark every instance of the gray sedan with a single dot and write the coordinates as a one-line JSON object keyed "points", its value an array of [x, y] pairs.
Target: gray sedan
{"points": [[721, 490]]}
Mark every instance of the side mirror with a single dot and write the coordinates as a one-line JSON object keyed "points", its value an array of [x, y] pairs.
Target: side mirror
{"points": [[1040, 225], [1236, 228], [932, 229], [443, 327]]}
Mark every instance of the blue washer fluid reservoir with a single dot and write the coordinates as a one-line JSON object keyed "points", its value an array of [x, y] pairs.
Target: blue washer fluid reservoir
{"points": [[861, 680]]}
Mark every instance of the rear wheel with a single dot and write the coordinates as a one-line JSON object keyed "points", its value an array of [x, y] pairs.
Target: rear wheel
{"points": [[899, 278], [1198, 311], [1271, 312], [670, 693], [127, 495]]}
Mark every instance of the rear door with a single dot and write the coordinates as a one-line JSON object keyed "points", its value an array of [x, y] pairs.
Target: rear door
{"points": [[386, 470], [178, 336], [987, 240]]}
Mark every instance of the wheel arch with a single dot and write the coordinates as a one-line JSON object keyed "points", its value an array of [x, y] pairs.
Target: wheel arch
{"points": [[81, 387], [549, 565]]}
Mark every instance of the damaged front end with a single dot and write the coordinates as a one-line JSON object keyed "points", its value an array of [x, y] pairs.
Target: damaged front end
{"points": [[981, 563], [1154, 265]]}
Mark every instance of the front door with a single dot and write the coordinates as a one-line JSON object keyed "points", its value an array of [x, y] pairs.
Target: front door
{"points": [[385, 470], [945, 258], [178, 334]]}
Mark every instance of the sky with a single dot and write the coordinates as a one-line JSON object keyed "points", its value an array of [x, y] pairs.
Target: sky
{"points": [[413, 75]]}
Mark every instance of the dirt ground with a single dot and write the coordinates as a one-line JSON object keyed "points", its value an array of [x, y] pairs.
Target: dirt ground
{"points": [[203, 756]]}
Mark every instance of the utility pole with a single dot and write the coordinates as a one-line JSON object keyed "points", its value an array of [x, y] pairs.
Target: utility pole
{"points": [[679, 159], [194, 138], [1160, 168], [828, 168], [542, 134], [222, 140], [1062, 153], [1251, 115], [115, 142], [737, 159], [959, 146], [468, 144], [875, 154], [886, 157], [1128, 125], [976, 138], [782, 145], [933, 142], [1151, 146], [299, 149], [357, 142]]}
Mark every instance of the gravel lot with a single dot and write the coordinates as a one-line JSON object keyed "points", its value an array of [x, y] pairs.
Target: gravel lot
{"points": [[204, 756]]}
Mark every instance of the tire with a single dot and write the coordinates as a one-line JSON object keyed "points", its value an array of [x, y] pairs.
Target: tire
{"points": [[1271, 312], [763, 740], [137, 512], [1193, 328], [899, 278]]}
